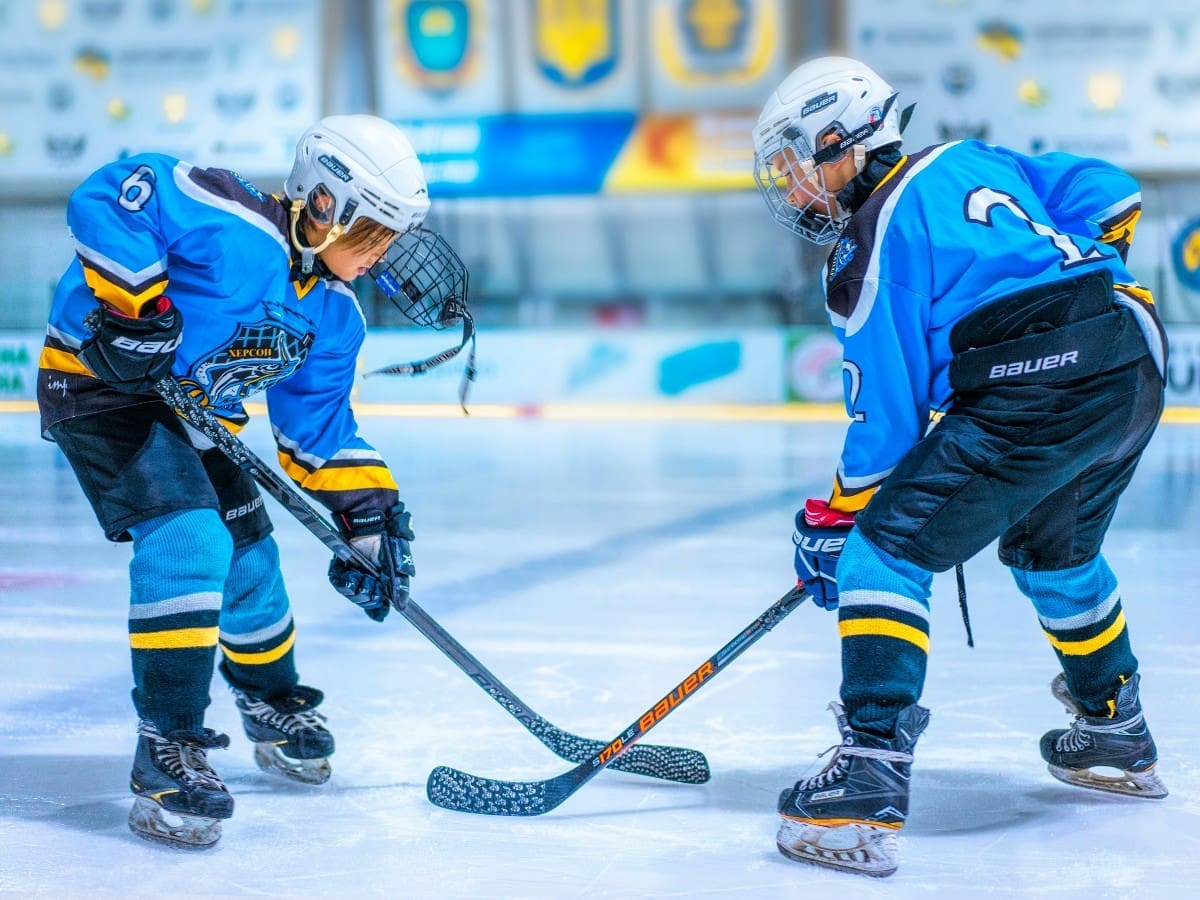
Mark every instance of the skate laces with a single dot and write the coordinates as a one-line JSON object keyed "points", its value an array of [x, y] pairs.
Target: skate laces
{"points": [[835, 769], [1078, 736], [184, 756], [287, 722]]}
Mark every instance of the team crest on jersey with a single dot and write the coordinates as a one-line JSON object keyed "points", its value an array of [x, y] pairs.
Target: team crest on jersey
{"points": [[842, 256], [257, 357]]}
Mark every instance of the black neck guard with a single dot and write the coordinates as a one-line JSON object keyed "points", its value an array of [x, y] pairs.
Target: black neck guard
{"points": [[879, 163]]}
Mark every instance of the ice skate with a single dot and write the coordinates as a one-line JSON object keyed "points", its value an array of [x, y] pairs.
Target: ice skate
{"points": [[288, 734], [847, 816], [178, 799], [1114, 754]]}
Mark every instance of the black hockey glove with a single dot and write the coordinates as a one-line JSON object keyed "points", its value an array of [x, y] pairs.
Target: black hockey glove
{"points": [[382, 537], [129, 354]]}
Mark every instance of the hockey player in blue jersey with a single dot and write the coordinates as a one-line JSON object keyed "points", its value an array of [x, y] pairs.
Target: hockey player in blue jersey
{"points": [[1003, 373], [196, 273]]}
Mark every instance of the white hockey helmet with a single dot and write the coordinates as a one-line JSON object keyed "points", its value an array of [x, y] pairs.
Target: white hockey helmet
{"points": [[832, 95], [350, 167]]}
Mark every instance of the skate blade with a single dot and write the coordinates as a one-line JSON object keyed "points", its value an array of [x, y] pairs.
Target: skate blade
{"points": [[151, 822], [1134, 784], [859, 848], [306, 771]]}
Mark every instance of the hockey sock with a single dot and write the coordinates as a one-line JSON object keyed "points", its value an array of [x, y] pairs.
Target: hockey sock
{"points": [[1080, 611], [883, 620], [257, 632], [176, 575]]}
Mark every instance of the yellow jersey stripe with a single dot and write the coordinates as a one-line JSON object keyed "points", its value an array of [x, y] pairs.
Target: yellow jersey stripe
{"points": [[175, 639], [62, 361], [1091, 645], [116, 296], [884, 628], [261, 657], [344, 478]]}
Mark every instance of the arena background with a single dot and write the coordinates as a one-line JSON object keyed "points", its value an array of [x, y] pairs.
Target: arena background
{"points": [[591, 161]]}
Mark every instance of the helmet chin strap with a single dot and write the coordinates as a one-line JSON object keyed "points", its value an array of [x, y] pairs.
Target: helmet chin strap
{"points": [[308, 255]]}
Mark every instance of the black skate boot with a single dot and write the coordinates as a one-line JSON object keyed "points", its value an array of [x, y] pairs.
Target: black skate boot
{"points": [[847, 816], [288, 736], [1120, 743], [178, 798]]}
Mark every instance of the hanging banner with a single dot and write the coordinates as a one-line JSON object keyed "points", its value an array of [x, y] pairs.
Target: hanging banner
{"points": [[712, 54], [571, 55], [83, 83], [438, 58], [1123, 86]]}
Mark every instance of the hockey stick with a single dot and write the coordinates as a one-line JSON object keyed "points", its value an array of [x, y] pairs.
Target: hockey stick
{"points": [[668, 763], [457, 790]]}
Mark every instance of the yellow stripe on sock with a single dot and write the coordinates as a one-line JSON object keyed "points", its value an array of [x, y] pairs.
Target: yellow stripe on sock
{"points": [[883, 628], [1091, 645], [261, 657], [176, 639]]}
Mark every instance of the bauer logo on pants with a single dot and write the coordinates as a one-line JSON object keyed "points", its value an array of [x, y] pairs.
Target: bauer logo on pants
{"points": [[1029, 366]]}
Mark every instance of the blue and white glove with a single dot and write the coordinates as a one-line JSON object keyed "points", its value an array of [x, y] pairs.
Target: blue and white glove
{"points": [[382, 536], [819, 538]]}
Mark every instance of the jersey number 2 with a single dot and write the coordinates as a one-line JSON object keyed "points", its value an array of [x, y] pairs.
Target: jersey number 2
{"points": [[981, 202]]}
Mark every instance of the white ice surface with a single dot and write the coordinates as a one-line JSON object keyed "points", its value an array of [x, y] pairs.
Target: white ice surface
{"points": [[590, 566]]}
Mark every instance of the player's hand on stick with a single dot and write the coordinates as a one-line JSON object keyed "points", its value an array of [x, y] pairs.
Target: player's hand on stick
{"points": [[133, 354], [820, 535], [382, 536]]}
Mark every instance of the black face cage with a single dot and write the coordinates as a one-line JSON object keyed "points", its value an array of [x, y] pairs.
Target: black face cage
{"points": [[423, 276]]}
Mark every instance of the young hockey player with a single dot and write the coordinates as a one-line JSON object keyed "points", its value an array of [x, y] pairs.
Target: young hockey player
{"points": [[1003, 372], [195, 273]]}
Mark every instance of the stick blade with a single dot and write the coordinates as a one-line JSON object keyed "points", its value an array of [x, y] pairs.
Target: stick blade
{"points": [[460, 791], [680, 764]]}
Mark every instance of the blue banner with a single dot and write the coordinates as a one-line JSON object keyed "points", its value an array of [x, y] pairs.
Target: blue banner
{"points": [[519, 156]]}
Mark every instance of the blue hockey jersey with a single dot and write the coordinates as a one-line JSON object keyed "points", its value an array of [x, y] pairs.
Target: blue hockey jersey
{"points": [[218, 247], [948, 230]]}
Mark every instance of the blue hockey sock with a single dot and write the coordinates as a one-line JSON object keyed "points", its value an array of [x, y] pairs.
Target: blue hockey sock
{"points": [[176, 577], [1080, 612], [257, 632], [883, 620]]}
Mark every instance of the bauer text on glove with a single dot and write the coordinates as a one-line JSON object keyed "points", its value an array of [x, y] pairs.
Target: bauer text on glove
{"points": [[133, 354], [820, 535], [382, 536]]}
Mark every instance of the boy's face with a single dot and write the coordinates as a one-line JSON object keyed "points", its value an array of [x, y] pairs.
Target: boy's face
{"points": [[348, 261], [815, 189]]}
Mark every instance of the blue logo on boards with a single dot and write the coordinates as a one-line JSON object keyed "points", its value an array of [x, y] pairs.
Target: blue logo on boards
{"points": [[842, 255], [698, 365]]}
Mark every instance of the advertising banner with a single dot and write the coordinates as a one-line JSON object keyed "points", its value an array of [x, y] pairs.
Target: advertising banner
{"points": [[1122, 84], [83, 83], [438, 58], [569, 55], [704, 55]]}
